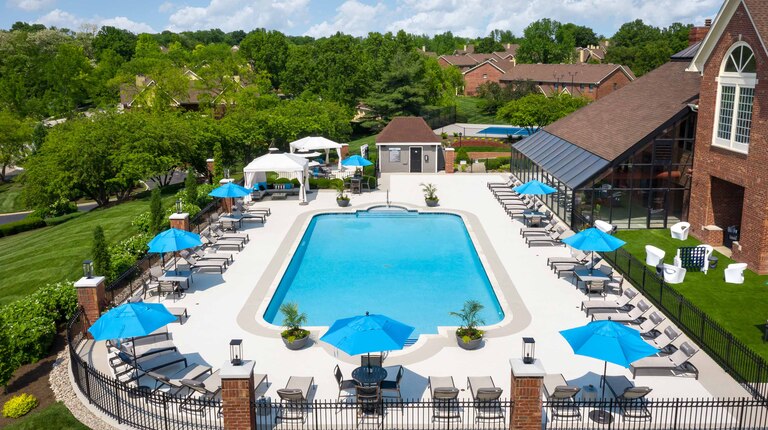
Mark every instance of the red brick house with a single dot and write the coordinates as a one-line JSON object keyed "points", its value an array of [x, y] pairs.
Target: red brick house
{"points": [[729, 174], [487, 71], [592, 81]]}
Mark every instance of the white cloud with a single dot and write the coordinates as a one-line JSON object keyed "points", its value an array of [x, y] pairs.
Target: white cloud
{"points": [[231, 15], [31, 5], [60, 18], [352, 17], [166, 7]]}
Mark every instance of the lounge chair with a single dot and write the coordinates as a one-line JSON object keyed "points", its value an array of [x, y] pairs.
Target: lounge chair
{"points": [[344, 384], [578, 257], [255, 209], [553, 239], [653, 256], [624, 302], [293, 398], [631, 399], [242, 237], [130, 369], [665, 339], [486, 396], [676, 362], [168, 381], [509, 184], [219, 243], [206, 264], [734, 273], [540, 231], [444, 398], [201, 392], [561, 398], [200, 255], [634, 315], [253, 216], [648, 327], [142, 347], [568, 269]]}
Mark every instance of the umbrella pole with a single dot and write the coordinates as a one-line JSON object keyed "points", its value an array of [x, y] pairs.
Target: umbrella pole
{"points": [[602, 383]]}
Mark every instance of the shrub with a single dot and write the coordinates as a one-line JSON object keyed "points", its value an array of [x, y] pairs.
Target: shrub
{"points": [[141, 222], [496, 163], [190, 186], [461, 155], [59, 300], [19, 405], [282, 181], [100, 252], [202, 194], [156, 218], [21, 226], [125, 253], [190, 208], [50, 222]]}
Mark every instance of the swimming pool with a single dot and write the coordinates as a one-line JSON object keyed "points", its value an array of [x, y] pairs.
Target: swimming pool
{"points": [[413, 267], [506, 131]]}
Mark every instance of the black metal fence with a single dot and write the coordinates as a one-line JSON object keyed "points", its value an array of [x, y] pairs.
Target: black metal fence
{"points": [[440, 116], [743, 364]]}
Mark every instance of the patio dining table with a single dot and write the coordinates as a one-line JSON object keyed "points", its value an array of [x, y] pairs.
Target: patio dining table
{"points": [[369, 375], [589, 275], [232, 220], [529, 214]]}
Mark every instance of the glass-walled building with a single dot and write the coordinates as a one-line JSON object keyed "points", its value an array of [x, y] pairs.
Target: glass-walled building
{"points": [[632, 168]]}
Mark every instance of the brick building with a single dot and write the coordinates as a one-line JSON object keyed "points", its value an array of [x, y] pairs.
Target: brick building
{"points": [[729, 174], [592, 81]]}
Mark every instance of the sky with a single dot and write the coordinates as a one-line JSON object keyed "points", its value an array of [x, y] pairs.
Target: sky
{"points": [[317, 18]]}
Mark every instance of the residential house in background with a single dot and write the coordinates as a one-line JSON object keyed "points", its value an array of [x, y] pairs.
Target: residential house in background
{"points": [[592, 53], [592, 81]]}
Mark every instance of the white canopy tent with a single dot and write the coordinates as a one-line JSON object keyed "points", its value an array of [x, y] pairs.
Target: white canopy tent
{"points": [[315, 143], [286, 165]]}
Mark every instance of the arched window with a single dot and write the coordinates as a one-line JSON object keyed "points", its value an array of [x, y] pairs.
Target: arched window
{"points": [[735, 97]]}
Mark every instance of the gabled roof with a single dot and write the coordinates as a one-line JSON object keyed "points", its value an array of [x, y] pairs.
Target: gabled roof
{"points": [[610, 126], [459, 60], [501, 65], [687, 53], [576, 73], [483, 57], [407, 129], [758, 14]]}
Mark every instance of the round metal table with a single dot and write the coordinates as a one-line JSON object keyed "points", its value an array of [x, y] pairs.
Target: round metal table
{"points": [[369, 375]]}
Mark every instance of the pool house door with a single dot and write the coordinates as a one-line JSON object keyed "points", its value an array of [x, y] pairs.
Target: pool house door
{"points": [[416, 159]]}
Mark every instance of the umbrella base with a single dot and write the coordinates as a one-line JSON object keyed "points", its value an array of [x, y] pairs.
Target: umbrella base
{"points": [[601, 417]]}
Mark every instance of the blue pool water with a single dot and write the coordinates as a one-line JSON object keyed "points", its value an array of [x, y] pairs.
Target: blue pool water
{"points": [[506, 131], [415, 268]]}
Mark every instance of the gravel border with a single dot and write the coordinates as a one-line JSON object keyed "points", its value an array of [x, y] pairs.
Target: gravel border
{"points": [[63, 390]]}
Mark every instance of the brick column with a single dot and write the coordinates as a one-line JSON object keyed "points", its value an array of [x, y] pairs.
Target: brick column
{"points": [[527, 383], [90, 295], [450, 158], [180, 221], [209, 164], [238, 395], [227, 202]]}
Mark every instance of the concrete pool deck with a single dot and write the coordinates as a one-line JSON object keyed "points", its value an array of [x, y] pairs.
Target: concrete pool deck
{"points": [[227, 306]]}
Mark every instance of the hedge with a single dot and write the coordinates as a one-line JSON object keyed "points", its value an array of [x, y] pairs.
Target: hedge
{"points": [[496, 163], [33, 223]]}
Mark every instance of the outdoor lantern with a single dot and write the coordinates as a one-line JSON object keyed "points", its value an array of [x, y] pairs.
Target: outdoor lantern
{"points": [[236, 352], [178, 206], [226, 173], [529, 349], [88, 269]]}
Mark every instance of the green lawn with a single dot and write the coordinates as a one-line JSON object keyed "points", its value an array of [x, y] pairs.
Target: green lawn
{"points": [[56, 416], [468, 110], [354, 146], [10, 197], [32, 259], [740, 309]]}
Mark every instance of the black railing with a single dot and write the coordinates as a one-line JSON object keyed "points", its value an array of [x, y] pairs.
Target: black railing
{"points": [[741, 362], [661, 414]]}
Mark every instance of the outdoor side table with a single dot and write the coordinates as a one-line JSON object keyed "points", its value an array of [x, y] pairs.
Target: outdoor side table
{"points": [[369, 375], [589, 393], [712, 262]]}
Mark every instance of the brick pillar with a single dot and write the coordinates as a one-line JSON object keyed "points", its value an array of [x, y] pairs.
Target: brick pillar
{"points": [[209, 164], [344, 151], [226, 203], [450, 158], [180, 221], [527, 383], [90, 295], [238, 395]]}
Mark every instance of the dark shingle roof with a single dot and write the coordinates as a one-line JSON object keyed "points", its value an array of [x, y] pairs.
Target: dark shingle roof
{"points": [[582, 73], [687, 53], [628, 115], [407, 129], [459, 60]]}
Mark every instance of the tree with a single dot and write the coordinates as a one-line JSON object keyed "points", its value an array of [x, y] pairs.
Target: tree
{"points": [[582, 36], [494, 95], [266, 50], [100, 252], [14, 138], [190, 186], [537, 110], [156, 214], [644, 47], [119, 41], [540, 43], [487, 45]]}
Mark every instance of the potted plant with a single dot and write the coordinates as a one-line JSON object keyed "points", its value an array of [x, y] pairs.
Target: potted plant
{"points": [[294, 336], [468, 335], [342, 199], [429, 194]]}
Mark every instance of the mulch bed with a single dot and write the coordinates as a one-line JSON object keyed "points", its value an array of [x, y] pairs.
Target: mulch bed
{"points": [[33, 379]]}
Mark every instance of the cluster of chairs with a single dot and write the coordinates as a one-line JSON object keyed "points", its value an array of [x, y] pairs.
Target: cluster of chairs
{"points": [[579, 261], [485, 398]]}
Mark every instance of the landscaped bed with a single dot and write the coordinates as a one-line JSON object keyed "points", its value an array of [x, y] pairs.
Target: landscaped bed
{"points": [[741, 309]]}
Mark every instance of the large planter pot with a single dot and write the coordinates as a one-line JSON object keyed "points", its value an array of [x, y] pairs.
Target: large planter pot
{"points": [[431, 203], [296, 344], [472, 344], [342, 202]]}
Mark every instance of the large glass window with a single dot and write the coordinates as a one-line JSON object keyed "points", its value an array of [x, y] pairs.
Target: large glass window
{"points": [[736, 94]]}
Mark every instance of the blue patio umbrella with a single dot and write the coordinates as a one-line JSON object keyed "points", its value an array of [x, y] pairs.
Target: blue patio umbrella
{"points": [[131, 320], [534, 187], [367, 333], [173, 240], [608, 341], [355, 161], [593, 239], [230, 190]]}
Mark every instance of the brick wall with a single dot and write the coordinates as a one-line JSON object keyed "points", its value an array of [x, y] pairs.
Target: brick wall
{"points": [[92, 299], [748, 171], [450, 158], [526, 412], [479, 76], [607, 86], [236, 396]]}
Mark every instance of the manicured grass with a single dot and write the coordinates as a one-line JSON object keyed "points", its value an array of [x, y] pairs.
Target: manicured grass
{"points": [[10, 197], [740, 309], [468, 110], [32, 259], [354, 146], [55, 416]]}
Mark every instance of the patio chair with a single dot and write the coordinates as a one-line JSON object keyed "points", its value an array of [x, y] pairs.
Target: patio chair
{"points": [[393, 386], [561, 398], [679, 361], [653, 256], [371, 360], [370, 403], [616, 281], [633, 315], [293, 399], [605, 227], [624, 302], [734, 273], [445, 405], [486, 396], [595, 287], [673, 274], [201, 392], [344, 384], [680, 230]]}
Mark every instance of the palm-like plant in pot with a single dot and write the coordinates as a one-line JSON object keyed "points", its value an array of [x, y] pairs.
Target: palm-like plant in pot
{"points": [[294, 336], [430, 194], [468, 335], [342, 199]]}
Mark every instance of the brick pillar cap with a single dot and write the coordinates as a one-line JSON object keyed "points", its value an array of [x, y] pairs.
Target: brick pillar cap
{"points": [[89, 282], [522, 370], [244, 371], [209, 160], [181, 216], [711, 228], [449, 149]]}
